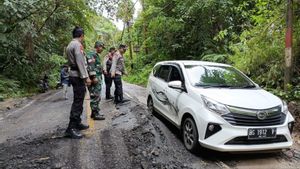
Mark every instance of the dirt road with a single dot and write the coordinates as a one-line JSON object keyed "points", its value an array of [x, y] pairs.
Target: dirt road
{"points": [[32, 136]]}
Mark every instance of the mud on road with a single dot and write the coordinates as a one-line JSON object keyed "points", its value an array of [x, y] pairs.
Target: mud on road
{"points": [[130, 137]]}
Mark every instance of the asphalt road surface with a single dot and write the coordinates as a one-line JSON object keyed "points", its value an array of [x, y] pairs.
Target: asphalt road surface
{"points": [[32, 136]]}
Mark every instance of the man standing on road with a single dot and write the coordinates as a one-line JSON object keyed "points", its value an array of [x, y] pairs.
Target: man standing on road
{"points": [[78, 78], [106, 69], [95, 73], [117, 70], [64, 80]]}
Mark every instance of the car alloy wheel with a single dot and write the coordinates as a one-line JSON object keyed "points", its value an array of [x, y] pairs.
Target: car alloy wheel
{"points": [[150, 105], [190, 135]]}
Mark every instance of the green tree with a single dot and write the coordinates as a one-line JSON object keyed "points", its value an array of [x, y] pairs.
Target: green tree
{"points": [[34, 34], [125, 13]]}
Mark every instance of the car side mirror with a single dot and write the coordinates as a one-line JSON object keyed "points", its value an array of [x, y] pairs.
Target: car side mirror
{"points": [[176, 85]]}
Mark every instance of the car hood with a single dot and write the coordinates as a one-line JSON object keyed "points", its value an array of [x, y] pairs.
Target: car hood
{"points": [[243, 98]]}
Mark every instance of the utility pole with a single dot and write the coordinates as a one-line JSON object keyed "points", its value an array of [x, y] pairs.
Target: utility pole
{"points": [[288, 45]]}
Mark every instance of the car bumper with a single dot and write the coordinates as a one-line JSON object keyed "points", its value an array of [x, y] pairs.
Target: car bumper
{"points": [[221, 146], [235, 139]]}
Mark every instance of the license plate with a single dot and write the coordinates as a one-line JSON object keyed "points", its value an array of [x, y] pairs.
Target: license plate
{"points": [[261, 133]]}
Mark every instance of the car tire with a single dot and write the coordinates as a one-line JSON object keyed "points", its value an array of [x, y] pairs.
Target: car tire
{"points": [[150, 105], [190, 135]]}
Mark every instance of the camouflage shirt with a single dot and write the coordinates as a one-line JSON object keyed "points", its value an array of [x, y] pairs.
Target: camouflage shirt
{"points": [[94, 64]]}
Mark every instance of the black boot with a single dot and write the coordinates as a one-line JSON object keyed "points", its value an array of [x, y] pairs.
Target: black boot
{"points": [[122, 100], [109, 97], [81, 126], [73, 133], [96, 116], [117, 100], [99, 117]]}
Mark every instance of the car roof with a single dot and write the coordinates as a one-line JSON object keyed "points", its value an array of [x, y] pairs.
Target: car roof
{"points": [[193, 62]]}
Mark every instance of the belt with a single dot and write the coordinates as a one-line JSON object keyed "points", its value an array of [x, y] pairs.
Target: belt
{"points": [[74, 68]]}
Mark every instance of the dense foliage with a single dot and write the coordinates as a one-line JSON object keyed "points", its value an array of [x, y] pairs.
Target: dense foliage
{"points": [[34, 34], [248, 34]]}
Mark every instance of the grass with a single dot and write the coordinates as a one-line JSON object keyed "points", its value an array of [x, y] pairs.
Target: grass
{"points": [[139, 77], [10, 88]]}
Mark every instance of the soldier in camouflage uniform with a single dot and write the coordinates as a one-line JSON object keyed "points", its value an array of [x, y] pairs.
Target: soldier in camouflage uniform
{"points": [[95, 73]]}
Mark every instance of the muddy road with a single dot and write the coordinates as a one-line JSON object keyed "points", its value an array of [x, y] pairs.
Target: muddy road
{"points": [[32, 136]]}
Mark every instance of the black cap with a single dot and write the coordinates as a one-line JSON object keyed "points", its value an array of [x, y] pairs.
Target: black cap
{"points": [[98, 44], [77, 32], [112, 49], [122, 46]]}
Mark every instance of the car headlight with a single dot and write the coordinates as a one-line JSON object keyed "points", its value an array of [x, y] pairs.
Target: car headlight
{"points": [[215, 106], [284, 108]]}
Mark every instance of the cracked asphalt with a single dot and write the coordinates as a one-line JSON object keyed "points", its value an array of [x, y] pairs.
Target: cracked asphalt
{"points": [[32, 136]]}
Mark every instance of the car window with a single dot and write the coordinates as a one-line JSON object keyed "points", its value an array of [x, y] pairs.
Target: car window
{"points": [[217, 76], [164, 72], [156, 70], [175, 74]]}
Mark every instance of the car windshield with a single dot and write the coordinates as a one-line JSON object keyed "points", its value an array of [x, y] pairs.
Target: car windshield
{"points": [[217, 76]]}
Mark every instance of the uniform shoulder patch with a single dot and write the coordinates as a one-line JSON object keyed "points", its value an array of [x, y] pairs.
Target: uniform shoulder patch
{"points": [[81, 49]]}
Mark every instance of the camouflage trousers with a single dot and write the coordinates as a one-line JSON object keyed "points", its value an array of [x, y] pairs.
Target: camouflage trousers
{"points": [[95, 95]]}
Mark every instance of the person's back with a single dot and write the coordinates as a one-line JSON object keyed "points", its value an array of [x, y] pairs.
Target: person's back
{"points": [[64, 76], [78, 78], [107, 63], [73, 50]]}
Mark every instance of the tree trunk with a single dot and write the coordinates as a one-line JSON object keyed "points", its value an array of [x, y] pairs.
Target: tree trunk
{"points": [[130, 46], [144, 28], [28, 46], [288, 45], [122, 32]]}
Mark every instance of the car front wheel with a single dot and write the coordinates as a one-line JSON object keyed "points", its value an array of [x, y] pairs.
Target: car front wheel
{"points": [[150, 105], [190, 135]]}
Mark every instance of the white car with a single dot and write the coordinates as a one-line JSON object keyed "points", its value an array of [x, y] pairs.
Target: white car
{"points": [[218, 107]]}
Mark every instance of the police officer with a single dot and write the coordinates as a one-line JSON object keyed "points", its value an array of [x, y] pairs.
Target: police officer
{"points": [[107, 62], [79, 78], [117, 71], [95, 73]]}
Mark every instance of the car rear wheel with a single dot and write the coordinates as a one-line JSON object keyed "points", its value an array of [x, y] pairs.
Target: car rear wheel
{"points": [[190, 135], [150, 105]]}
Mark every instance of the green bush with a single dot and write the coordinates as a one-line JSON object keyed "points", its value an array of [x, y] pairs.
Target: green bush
{"points": [[54, 73], [140, 76], [292, 94], [9, 88], [220, 58]]}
